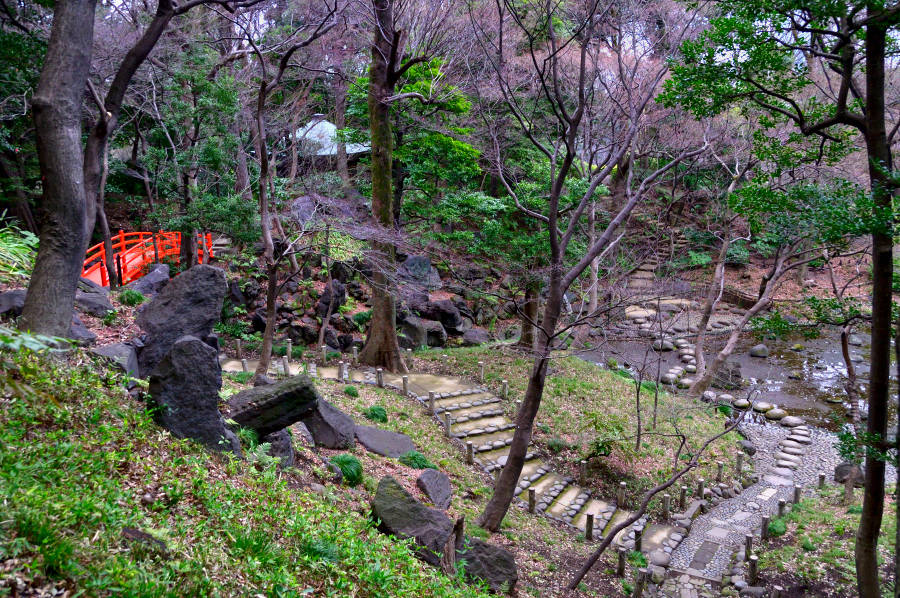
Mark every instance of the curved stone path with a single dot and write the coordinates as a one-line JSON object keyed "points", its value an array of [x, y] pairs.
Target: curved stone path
{"points": [[476, 416]]}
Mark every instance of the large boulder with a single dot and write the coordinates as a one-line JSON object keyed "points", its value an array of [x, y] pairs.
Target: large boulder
{"points": [[384, 442], [443, 311], [94, 303], [336, 295], [400, 514], [418, 270], [475, 336], [490, 563], [189, 305], [759, 350], [281, 445], [273, 407], [184, 388], [11, 303], [845, 471], [121, 354], [151, 283], [416, 333], [79, 333], [436, 486], [330, 427]]}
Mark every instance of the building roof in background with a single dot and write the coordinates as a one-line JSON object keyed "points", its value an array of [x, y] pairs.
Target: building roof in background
{"points": [[317, 138]]}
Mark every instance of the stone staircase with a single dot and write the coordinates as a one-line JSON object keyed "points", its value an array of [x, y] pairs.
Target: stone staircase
{"points": [[476, 416], [643, 276]]}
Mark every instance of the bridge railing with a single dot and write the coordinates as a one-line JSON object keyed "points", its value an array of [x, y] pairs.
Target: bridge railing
{"points": [[132, 252]]}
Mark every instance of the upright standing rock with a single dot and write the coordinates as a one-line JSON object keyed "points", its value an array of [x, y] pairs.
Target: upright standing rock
{"points": [[189, 305], [184, 388]]}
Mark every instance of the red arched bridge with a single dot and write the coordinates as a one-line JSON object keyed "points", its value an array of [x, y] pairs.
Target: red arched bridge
{"points": [[133, 253]]}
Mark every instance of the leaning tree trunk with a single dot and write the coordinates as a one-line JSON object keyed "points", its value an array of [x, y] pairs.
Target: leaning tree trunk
{"points": [[529, 318], [709, 306], [63, 214], [505, 487], [382, 347], [879, 154]]}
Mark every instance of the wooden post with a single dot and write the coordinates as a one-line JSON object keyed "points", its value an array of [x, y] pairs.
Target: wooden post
{"points": [[119, 270], [589, 527], [405, 385], [620, 495], [748, 545], [666, 505], [244, 365], [379, 377], [848, 489], [447, 423], [324, 354], [753, 569], [682, 498], [532, 500], [289, 350], [286, 366], [639, 580], [431, 402], [638, 537], [505, 391], [720, 467], [240, 349], [739, 464], [340, 372], [781, 506], [764, 530], [481, 372], [821, 481], [582, 472], [798, 493], [470, 453], [445, 360], [701, 483], [620, 564]]}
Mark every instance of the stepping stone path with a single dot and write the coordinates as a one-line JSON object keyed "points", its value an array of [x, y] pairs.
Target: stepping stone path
{"points": [[477, 416], [706, 557]]}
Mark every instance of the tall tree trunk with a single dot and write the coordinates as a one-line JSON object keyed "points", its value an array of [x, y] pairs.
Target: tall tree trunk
{"points": [[879, 154], [505, 487], [103, 223], [594, 278], [63, 216], [382, 347]]}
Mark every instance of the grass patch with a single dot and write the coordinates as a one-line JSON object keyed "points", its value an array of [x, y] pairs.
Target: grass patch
{"points": [[130, 297], [376, 413], [350, 467], [351, 391], [416, 460], [78, 459]]}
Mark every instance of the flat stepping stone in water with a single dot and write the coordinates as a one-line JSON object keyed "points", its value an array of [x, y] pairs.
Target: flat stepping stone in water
{"points": [[690, 368], [762, 406], [685, 382], [834, 399], [668, 378], [662, 345], [776, 414], [726, 397], [792, 421], [741, 403]]}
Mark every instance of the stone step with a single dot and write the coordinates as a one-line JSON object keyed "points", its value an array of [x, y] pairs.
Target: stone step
{"points": [[457, 403], [492, 459], [543, 486], [561, 505], [472, 413], [551, 491], [532, 471], [488, 442], [639, 283], [601, 510], [485, 424], [617, 517]]}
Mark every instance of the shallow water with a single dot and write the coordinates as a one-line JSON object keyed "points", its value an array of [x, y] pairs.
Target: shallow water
{"points": [[808, 382]]}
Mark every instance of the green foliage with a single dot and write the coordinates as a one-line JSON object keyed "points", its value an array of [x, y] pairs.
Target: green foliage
{"points": [[14, 340], [350, 468], [609, 430], [738, 253], [416, 460], [362, 319], [637, 559], [240, 377], [376, 413], [776, 326], [17, 248], [131, 297], [111, 318], [557, 445], [351, 391], [70, 445], [777, 527], [297, 351]]}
